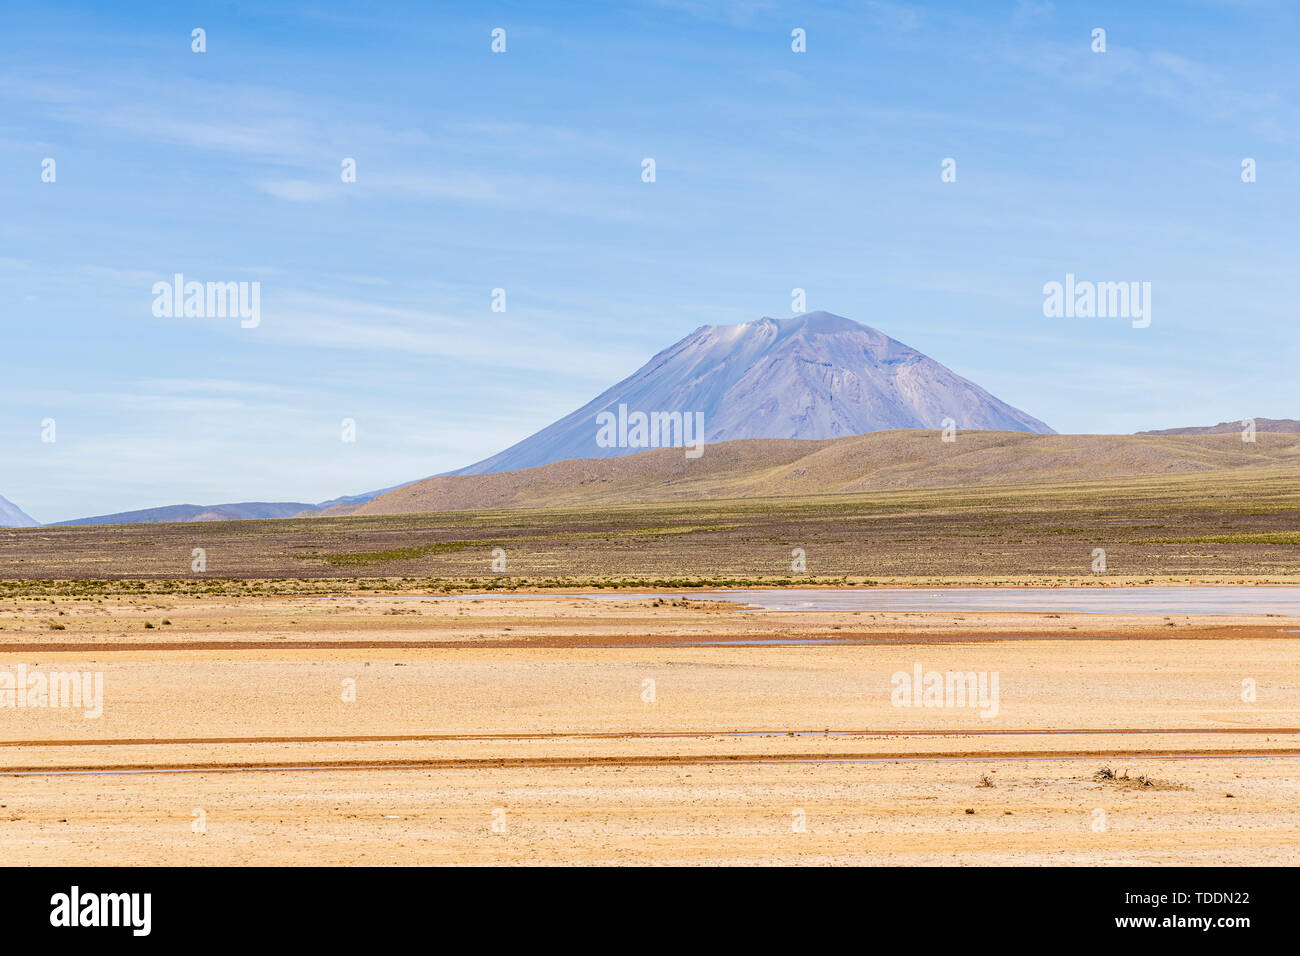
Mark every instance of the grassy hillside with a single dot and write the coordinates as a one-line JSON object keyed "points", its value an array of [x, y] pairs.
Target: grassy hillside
{"points": [[876, 461], [1236, 523]]}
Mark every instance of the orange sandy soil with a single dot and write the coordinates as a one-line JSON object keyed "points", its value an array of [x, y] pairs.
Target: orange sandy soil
{"points": [[531, 714]]}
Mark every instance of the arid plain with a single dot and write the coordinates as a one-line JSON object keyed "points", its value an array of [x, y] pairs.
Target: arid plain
{"points": [[482, 730], [251, 714]]}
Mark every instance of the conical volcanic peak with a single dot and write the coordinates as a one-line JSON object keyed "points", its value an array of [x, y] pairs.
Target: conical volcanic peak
{"points": [[812, 376]]}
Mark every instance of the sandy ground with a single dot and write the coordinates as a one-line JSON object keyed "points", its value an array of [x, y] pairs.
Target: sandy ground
{"points": [[561, 730]]}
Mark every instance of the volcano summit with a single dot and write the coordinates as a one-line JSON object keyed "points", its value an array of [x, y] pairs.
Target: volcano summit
{"points": [[814, 376]]}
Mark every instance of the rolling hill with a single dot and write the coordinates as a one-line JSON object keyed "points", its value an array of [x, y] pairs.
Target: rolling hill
{"points": [[904, 459], [1276, 425]]}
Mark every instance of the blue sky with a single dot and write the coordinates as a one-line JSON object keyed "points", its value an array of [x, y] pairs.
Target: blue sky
{"points": [[522, 171]]}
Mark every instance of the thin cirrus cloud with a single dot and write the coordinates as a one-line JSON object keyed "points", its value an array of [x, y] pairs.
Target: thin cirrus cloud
{"points": [[525, 193], [453, 187], [295, 132], [1197, 89], [299, 190], [271, 124], [356, 325]]}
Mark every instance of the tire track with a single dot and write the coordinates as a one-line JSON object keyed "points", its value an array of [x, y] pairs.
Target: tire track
{"points": [[1197, 632], [633, 760], [641, 735]]}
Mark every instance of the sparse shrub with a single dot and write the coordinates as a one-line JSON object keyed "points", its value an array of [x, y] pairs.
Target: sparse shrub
{"points": [[1140, 782]]}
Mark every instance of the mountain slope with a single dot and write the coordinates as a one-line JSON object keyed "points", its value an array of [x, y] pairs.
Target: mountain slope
{"points": [[813, 377], [753, 468], [11, 516]]}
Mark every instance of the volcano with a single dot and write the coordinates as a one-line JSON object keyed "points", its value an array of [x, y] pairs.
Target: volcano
{"points": [[814, 376]]}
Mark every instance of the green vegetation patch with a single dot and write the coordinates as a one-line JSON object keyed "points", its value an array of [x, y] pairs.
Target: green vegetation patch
{"points": [[355, 559], [1238, 537]]}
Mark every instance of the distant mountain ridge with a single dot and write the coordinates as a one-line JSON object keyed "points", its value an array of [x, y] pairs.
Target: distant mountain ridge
{"points": [[1274, 425], [11, 516], [241, 511], [812, 377]]}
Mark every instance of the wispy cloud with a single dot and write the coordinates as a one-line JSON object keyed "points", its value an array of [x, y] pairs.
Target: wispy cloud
{"points": [[491, 342]]}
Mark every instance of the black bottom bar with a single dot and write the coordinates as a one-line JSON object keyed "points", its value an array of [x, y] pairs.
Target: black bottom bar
{"points": [[334, 906]]}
